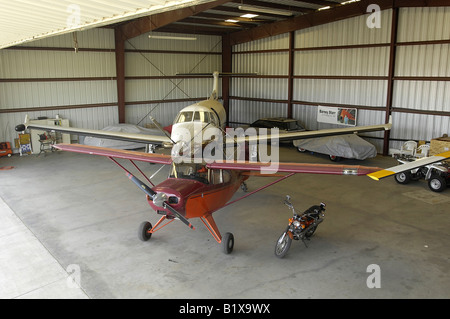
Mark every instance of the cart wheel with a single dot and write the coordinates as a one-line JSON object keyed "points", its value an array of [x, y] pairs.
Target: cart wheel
{"points": [[301, 150], [403, 178], [437, 183], [144, 229], [227, 243], [334, 158]]}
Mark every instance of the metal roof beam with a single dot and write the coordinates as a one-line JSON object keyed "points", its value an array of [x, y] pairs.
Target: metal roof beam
{"points": [[153, 22], [336, 13]]}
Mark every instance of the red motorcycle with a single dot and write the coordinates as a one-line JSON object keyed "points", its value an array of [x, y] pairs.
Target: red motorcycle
{"points": [[301, 226]]}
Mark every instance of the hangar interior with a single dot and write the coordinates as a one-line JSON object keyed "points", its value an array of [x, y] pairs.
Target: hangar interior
{"points": [[387, 61]]}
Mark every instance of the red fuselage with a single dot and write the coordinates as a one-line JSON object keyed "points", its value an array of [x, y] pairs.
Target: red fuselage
{"points": [[198, 197]]}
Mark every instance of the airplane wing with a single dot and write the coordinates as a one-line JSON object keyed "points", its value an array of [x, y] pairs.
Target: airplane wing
{"points": [[115, 153], [121, 136], [311, 134], [268, 168], [409, 166]]}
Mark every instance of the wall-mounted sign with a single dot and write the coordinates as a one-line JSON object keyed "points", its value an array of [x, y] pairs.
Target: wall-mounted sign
{"points": [[336, 115]]}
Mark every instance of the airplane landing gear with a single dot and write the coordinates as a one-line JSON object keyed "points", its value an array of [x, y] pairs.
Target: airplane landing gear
{"points": [[227, 243], [144, 233]]}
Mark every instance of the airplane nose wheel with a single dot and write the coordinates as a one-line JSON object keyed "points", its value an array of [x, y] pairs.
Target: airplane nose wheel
{"points": [[227, 243], [144, 231]]}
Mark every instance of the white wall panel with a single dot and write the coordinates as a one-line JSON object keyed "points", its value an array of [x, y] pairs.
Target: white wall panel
{"points": [[424, 24], [56, 64], [158, 89], [354, 92], [275, 89], [250, 111], [418, 127], [276, 42], [40, 94], [345, 32], [343, 62], [159, 64], [267, 63], [94, 38], [422, 95], [423, 60]]}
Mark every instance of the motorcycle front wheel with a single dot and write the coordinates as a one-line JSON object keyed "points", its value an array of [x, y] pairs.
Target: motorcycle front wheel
{"points": [[283, 244]]}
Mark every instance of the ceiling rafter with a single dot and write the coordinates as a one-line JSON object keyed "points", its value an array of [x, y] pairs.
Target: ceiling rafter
{"points": [[146, 24]]}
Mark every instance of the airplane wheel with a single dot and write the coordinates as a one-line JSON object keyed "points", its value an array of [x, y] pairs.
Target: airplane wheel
{"points": [[143, 233], [227, 243]]}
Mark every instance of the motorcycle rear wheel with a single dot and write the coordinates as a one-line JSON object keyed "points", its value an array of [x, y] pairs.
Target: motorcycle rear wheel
{"points": [[282, 247]]}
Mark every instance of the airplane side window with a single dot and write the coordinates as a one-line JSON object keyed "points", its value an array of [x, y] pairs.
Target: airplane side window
{"points": [[206, 117], [213, 119], [226, 176], [216, 176]]}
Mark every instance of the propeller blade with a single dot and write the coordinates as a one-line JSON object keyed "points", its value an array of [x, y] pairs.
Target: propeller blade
{"points": [[178, 215], [147, 190]]}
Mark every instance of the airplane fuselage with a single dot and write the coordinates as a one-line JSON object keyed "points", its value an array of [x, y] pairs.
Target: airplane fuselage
{"points": [[193, 119], [196, 191]]}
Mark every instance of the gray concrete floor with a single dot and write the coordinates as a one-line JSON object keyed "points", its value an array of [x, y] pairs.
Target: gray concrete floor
{"points": [[66, 215]]}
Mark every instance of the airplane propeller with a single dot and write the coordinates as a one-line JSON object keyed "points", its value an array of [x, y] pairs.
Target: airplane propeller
{"points": [[160, 199]]}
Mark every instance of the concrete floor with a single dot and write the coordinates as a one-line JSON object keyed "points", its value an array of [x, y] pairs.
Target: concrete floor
{"points": [[66, 215]]}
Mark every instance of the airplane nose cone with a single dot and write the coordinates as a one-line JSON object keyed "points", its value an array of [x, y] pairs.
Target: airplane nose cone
{"points": [[159, 199]]}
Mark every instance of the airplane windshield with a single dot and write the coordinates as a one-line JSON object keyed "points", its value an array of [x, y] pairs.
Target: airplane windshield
{"points": [[184, 117], [197, 116], [197, 172]]}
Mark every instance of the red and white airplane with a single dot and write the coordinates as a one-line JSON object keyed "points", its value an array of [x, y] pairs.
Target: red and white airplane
{"points": [[199, 186]]}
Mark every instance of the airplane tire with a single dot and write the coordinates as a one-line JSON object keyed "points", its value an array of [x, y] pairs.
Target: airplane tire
{"points": [[143, 233], [227, 243]]}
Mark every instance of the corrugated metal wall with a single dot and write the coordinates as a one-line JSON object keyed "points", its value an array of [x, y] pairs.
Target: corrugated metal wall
{"points": [[54, 76], [270, 64], [141, 64], [355, 75], [59, 77], [354, 71], [427, 60]]}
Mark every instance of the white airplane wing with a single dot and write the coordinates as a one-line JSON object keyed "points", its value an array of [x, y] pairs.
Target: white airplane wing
{"points": [[409, 166], [311, 134], [122, 136]]}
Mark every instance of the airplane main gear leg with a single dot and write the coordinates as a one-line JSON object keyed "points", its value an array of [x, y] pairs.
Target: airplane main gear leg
{"points": [[227, 241]]}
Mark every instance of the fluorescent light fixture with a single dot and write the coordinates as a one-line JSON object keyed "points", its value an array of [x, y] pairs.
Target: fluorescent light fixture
{"points": [[249, 15], [265, 10], [231, 20], [324, 8], [350, 1], [167, 37]]}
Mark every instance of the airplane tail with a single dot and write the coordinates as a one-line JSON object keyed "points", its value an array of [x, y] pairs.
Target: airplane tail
{"points": [[216, 75]]}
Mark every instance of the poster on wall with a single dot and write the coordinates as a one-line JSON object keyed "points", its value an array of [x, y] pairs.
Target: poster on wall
{"points": [[336, 115]]}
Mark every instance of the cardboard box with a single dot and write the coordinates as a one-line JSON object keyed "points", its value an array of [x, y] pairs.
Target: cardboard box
{"points": [[439, 145]]}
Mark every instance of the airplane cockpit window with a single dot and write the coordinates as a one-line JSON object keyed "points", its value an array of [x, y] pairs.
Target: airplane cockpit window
{"points": [[200, 116], [197, 116], [184, 117], [194, 171]]}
